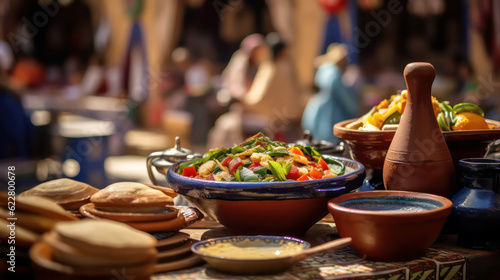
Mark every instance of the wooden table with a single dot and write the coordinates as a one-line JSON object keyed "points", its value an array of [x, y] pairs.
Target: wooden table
{"points": [[443, 260]]}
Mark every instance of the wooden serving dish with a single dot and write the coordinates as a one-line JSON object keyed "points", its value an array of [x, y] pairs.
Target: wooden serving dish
{"points": [[370, 147]]}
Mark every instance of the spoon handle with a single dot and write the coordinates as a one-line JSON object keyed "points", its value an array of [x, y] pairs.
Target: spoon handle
{"points": [[335, 244]]}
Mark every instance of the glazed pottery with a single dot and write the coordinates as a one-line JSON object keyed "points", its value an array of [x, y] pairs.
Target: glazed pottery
{"points": [[418, 158], [476, 207], [270, 254], [390, 225], [370, 147], [249, 266], [275, 208]]}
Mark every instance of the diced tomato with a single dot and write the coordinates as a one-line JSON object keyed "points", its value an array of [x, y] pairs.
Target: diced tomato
{"points": [[315, 174], [234, 164], [312, 163], [226, 161], [294, 173], [254, 165], [297, 151], [189, 171], [303, 178], [323, 165]]}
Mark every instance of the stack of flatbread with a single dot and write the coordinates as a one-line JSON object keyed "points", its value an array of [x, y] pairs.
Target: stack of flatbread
{"points": [[94, 249], [149, 208], [144, 207], [23, 219]]}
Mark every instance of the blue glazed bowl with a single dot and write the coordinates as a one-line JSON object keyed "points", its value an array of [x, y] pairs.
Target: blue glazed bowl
{"points": [[276, 208], [257, 245]]}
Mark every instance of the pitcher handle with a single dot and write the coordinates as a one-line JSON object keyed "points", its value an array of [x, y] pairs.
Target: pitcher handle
{"points": [[149, 162]]}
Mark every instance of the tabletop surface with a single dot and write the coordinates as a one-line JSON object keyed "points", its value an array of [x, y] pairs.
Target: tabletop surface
{"points": [[444, 260]]}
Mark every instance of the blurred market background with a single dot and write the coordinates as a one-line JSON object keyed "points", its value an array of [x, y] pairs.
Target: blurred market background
{"points": [[89, 88]]}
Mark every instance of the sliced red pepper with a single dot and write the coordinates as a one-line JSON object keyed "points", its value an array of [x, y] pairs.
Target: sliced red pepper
{"points": [[308, 158], [234, 164], [189, 171], [323, 165], [304, 178], [297, 151], [294, 173], [226, 161], [254, 165], [315, 174]]}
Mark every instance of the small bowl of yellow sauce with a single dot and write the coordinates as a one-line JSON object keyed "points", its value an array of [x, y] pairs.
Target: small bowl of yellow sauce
{"points": [[259, 254]]}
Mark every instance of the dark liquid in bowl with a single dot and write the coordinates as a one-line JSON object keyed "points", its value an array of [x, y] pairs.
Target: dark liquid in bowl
{"points": [[392, 204]]}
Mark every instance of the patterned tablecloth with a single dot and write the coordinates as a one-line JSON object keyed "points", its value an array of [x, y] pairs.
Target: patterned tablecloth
{"points": [[442, 261]]}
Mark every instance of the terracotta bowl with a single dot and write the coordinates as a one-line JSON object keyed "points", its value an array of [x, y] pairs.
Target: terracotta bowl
{"points": [[370, 147], [390, 225], [272, 208]]}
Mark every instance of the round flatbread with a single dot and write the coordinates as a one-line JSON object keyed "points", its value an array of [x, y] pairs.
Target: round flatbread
{"points": [[66, 254], [30, 221], [130, 197], [104, 234], [166, 214], [70, 194], [43, 206], [24, 238]]}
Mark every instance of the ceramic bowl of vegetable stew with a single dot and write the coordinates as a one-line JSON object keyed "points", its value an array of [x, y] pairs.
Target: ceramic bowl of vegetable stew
{"points": [[248, 202]]}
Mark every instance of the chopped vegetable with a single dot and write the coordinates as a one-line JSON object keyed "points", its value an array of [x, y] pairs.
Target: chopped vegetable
{"points": [[226, 161], [234, 164], [293, 174], [389, 112], [189, 171], [315, 174], [303, 178], [259, 159]]}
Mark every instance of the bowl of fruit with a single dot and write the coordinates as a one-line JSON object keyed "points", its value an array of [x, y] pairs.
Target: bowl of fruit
{"points": [[265, 187], [466, 131]]}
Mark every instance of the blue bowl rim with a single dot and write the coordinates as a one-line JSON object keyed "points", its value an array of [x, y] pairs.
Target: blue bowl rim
{"points": [[171, 174], [194, 247]]}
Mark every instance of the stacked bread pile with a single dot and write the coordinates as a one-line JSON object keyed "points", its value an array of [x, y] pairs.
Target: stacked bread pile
{"points": [[93, 249], [69, 194], [149, 208], [23, 219], [144, 207]]}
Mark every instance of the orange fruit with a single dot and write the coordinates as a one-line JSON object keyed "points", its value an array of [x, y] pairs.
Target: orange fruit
{"points": [[469, 121]]}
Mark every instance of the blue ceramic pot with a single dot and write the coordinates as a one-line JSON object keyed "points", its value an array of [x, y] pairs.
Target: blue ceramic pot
{"points": [[271, 208], [476, 207]]}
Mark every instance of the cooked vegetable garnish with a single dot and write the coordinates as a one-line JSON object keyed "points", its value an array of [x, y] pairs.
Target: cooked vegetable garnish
{"points": [[386, 115], [259, 159]]}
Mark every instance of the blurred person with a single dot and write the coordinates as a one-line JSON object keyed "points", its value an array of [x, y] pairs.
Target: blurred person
{"points": [[18, 136], [335, 102], [275, 99], [240, 72]]}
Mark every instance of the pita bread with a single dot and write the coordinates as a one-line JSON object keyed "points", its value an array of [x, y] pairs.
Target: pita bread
{"points": [[24, 237], [104, 234], [130, 197], [30, 221], [66, 254], [70, 194]]}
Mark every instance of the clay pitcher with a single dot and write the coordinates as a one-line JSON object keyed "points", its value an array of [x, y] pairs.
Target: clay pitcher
{"points": [[418, 158]]}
